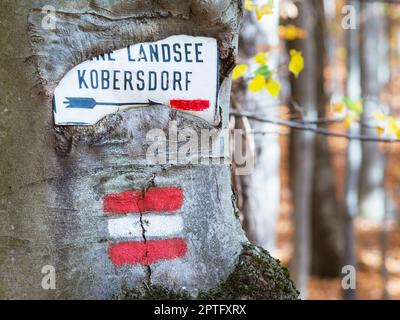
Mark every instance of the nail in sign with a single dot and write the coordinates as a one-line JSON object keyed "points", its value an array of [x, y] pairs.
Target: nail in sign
{"points": [[180, 72]]}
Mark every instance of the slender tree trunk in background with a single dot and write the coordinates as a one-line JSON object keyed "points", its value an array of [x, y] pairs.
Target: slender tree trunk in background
{"points": [[261, 188], [335, 86], [327, 231], [389, 207], [384, 242], [55, 178], [302, 148], [372, 193], [384, 68], [350, 198]]}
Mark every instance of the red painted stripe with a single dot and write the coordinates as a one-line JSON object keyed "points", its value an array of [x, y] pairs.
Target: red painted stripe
{"points": [[135, 201], [146, 253], [190, 105]]}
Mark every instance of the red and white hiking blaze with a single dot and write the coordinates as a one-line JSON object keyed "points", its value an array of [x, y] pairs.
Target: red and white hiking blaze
{"points": [[150, 228]]}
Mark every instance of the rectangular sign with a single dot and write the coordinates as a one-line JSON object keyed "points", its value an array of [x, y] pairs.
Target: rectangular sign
{"points": [[180, 72]]}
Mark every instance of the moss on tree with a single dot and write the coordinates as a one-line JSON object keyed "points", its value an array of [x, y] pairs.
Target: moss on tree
{"points": [[257, 276]]}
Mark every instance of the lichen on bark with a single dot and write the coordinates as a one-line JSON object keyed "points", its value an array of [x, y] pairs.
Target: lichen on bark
{"points": [[257, 276]]}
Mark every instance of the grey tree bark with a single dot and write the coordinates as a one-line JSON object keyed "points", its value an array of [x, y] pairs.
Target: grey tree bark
{"points": [[371, 189], [302, 148], [327, 231], [261, 187], [54, 178], [351, 204]]}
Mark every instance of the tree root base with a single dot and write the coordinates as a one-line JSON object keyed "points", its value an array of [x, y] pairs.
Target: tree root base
{"points": [[257, 276]]}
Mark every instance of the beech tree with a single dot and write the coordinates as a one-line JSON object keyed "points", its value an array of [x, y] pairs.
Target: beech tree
{"points": [[57, 180], [371, 194], [260, 188], [327, 230], [302, 148]]}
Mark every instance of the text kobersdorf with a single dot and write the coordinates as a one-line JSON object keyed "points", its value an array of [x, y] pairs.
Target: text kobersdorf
{"points": [[180, 68]]}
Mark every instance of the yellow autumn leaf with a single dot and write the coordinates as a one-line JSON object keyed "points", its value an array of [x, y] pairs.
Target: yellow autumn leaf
{"points": [[296, 64], [239, 71], [261, 58], [392, 126], [264, 10], [378, 116], [349, 119], [359, 107], [257, 84], [249, 5], [338, 107], [273, 87], [290, 32], [380, 131]]}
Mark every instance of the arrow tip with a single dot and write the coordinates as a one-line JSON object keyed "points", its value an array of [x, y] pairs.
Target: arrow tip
{"points": [[153, 103]]}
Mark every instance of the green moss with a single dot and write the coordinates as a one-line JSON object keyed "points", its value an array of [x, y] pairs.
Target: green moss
{"points": [[152, 292], [257, 276]]}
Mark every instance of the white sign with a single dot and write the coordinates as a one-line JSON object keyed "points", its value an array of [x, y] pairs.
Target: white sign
{"points": [[180, 72]]}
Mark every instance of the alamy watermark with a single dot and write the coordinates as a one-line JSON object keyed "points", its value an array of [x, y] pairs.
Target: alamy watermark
{"points": [[203, 146], [349, 19], [49, 278], [349, 280], [49, 19]]}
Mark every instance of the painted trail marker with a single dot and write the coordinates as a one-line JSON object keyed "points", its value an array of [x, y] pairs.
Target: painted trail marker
{"points": [[151, 213], [180, 72]]}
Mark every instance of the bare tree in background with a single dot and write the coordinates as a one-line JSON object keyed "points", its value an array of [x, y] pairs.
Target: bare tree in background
{"points": [[371, 188], [302, 147], [261, 188], [327, 231], [350, 198]]}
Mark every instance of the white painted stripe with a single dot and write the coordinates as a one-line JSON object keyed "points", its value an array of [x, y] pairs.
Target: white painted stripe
{"points": [[154, 225]]}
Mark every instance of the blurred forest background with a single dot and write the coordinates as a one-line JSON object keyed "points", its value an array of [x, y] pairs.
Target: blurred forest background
{"points": [[317, 91]]}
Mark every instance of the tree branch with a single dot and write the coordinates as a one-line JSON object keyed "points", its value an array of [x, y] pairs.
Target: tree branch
{"points": [[305, 125]]}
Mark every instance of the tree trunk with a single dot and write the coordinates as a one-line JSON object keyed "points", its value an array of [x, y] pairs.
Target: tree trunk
{"points": [[302, 147], [353, 151], [54, 178], [372, 193], [261, 187], [327, 235]]}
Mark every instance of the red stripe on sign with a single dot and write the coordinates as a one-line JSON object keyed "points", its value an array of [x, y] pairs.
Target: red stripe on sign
{"points": [[190, 105], [135, 201], [146, 253]]}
